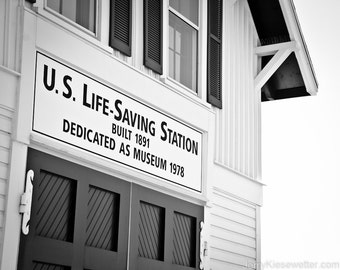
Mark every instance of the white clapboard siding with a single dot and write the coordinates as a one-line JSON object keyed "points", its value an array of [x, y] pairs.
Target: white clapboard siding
{"points": [[3, 174], [10, 24], [233, 237], [233, 225], [238, 122], [222, 212], [219, 199], [5, 142], [232, 246], [232, 258], [232, 241], [4, 155], [5, 139], [229, 266]]}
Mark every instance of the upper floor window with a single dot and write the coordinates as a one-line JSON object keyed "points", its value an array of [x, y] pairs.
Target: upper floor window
{"points": [[82, 12], [111, 22], [183, 42]]}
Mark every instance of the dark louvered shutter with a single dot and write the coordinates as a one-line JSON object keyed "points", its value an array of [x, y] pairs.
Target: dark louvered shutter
{"points": [[120, 26], [214, 76], [153, 35]]}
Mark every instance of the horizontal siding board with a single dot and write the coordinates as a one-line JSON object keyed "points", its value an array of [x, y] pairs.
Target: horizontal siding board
{"points": [[5, 124], [4, 155], [3, 171], [232, 232], [9, 84], [2, 214], [2, 202], [5, 143], [3, 187], [220, 265], [234, 205], [5, 139], [233, 247], [230, 257], [233, 236], [233, 226], [234, 216], [5, 111]]}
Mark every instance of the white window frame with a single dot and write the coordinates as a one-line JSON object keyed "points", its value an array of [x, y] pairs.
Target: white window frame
{"points": [[99, 38], [200, 95]]}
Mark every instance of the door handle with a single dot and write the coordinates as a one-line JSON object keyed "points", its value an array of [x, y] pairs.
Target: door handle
{"points": [[26, 202]]}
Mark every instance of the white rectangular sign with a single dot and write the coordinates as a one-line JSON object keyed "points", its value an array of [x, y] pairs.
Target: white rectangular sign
{"points": [[73, 108]]}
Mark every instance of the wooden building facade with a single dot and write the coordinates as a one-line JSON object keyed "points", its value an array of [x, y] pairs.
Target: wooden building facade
{"points": [[130, 131]]}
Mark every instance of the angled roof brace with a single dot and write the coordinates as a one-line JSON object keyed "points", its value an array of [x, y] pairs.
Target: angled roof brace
{"points": [[280, 51], [286, 68]]}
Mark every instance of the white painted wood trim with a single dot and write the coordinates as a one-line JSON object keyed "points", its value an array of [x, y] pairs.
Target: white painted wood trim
{"points": [[258, 238], [232, 2], [10, 71], [6, 32], [12, 221], [279, 57], [302, 56], [273, 48]]}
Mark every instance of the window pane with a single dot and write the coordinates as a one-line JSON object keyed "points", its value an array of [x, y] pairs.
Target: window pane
{"points": [[188, 8], [182, 52], [82, 12]]}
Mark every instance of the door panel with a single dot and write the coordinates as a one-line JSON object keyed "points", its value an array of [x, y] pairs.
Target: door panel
{"points": [[151, 231], [76, 217], [167, 230], [102, 219], [184, 241], [80, 220], [55, 207], [46, 266]]}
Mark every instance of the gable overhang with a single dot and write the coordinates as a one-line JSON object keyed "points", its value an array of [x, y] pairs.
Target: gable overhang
{"points": [[286, 67]]}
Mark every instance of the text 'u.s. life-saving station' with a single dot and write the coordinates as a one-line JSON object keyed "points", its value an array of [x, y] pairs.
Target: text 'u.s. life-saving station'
{"points": [[73, 108]]}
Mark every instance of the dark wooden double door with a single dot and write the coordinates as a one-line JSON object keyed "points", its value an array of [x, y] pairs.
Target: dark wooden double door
{"points": [[83, 219]]}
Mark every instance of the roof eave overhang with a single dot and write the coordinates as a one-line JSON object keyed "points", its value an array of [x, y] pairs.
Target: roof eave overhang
{"points": [[286, 67], [302, 54]]}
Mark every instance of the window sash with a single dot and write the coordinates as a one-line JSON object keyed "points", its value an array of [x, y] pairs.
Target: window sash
{"points": [[188, 8], [185, 19], [83, 13], [183, 68], [183, 52]]}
